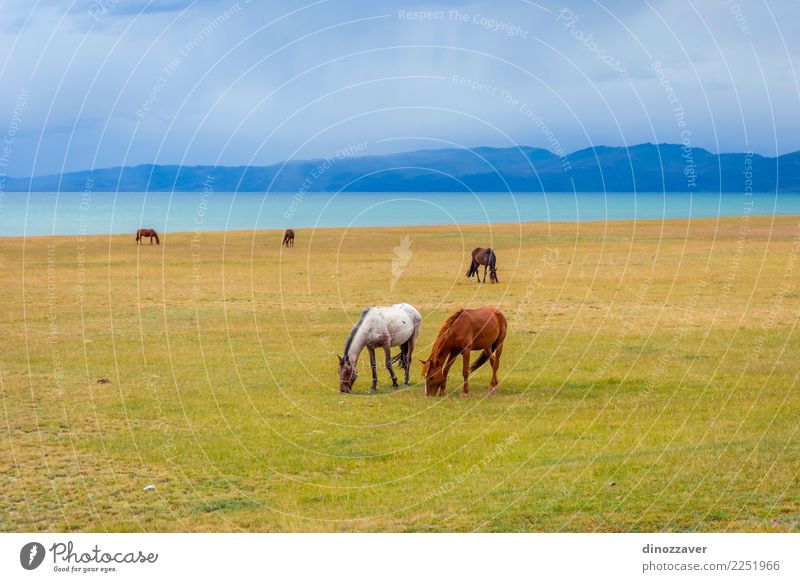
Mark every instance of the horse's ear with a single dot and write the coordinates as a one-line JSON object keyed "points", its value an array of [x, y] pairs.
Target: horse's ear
{"points": [[338, 357]]}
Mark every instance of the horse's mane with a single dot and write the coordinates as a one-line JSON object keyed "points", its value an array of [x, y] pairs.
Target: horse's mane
{"points": [[354, 330], [444, 332]]}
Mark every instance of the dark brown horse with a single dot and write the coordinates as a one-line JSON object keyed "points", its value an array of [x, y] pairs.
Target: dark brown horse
{"points": [[147, 232], [288, 238], [483, 329], [488, 259]]}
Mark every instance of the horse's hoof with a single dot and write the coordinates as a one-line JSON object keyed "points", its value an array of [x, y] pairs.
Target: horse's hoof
{"points": [[406, 384]]}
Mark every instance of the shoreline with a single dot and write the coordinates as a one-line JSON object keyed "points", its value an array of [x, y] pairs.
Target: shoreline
{"points": [[4, 237]]}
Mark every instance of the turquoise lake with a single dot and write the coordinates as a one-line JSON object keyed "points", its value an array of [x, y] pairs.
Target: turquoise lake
{"points": [[72, 213]]}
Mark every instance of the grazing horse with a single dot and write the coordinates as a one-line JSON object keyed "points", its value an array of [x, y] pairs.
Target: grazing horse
{"points": [[466, 330], [147, 232], [380, 327], [288, 238], [488, 259]]}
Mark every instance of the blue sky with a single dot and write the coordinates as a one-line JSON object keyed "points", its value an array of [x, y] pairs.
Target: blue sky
{"points": [[102, 83]]}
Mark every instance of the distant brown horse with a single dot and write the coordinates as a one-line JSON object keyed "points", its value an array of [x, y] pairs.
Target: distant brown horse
{"points": [[147, 232], [288, 238], [466, 330], [488, 259]]}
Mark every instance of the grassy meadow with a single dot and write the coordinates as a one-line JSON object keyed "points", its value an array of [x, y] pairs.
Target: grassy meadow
{"points": [[649, 381]]}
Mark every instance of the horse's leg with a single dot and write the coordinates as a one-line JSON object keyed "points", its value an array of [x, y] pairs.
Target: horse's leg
{"points": [[492, 360], [372, 364], [387, 351], [451, 359], [465, 372], [495, 367], [488, 352], [485, 267], [151, 240]]}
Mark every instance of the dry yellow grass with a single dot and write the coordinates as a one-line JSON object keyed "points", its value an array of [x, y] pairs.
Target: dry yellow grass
{"points": [[649, 382]]}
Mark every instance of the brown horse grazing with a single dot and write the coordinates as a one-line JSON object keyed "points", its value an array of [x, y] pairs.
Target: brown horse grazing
{"points": [[466, 330], [147, 232], [288, 238], [488, 259]]}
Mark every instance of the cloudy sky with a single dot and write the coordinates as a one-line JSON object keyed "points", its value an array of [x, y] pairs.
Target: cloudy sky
{"points": [[99, 83]]}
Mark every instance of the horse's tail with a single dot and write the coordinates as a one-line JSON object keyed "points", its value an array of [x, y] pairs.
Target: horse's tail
{"points": [[483, 358], [403, 350], [137, 236], [473, 267], [155, 234]]}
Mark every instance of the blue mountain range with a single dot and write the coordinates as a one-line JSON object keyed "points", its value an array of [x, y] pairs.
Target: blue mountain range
{"points": [[643, 168]]}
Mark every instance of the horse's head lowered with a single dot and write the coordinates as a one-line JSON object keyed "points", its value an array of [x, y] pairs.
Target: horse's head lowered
{"points": [[347, 374], [435, 379], [493, 275]]}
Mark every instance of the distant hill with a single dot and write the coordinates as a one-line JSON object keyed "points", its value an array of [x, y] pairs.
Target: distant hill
{"points": [[644, 168]]}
